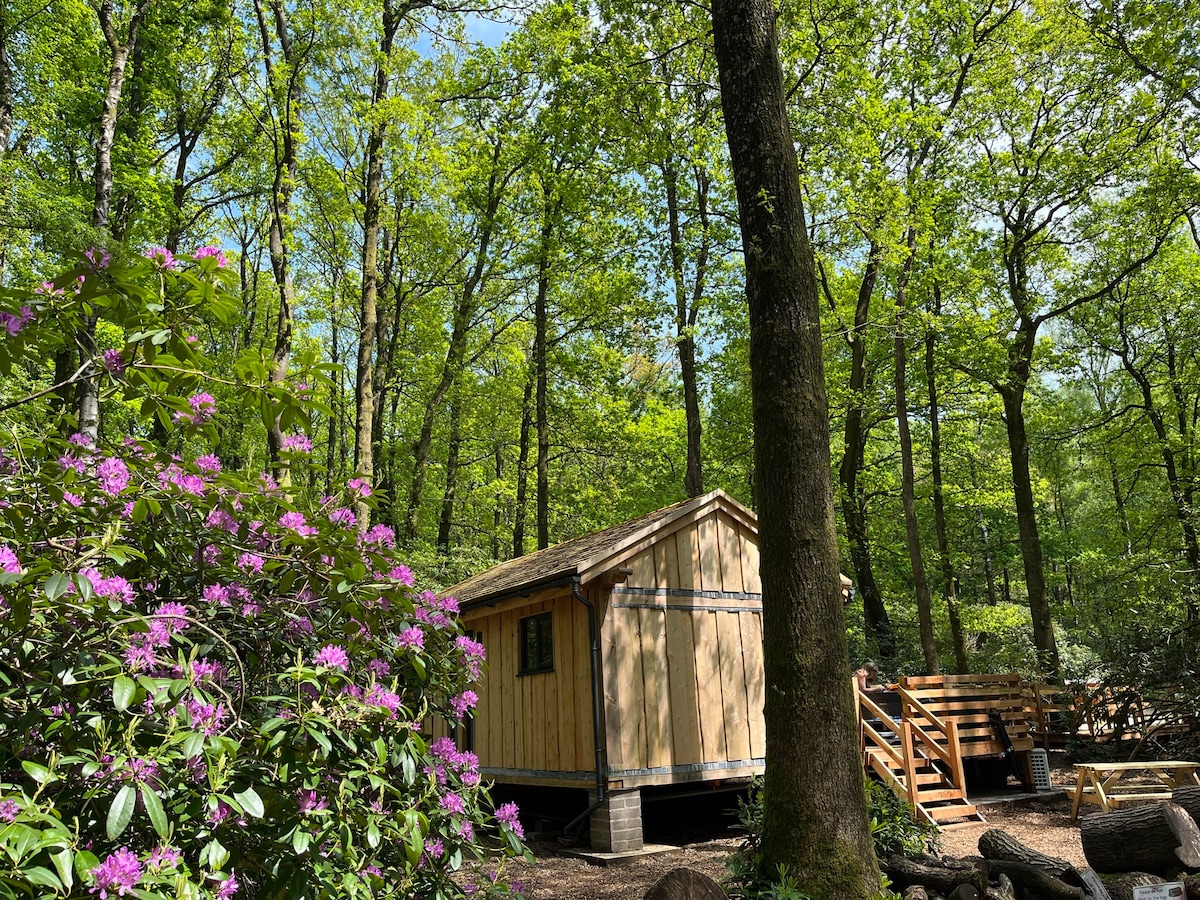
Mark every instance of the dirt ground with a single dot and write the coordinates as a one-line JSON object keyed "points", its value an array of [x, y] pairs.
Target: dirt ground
{"points": [[705, 830]]}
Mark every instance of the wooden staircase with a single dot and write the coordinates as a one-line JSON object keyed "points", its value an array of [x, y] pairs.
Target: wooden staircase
{"points": [[919, 757]]}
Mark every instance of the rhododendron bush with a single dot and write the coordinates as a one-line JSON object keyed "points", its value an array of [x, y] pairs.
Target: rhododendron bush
{"points": [[211, 685]]}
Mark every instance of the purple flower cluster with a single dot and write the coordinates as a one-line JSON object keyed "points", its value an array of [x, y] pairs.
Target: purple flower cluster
{"points": [[120, 872], [204, 407], [508, 816], [215, 252], [113, 475], [9, 810], [297, 443], [162, 258], [333, 657], [14, 323]]}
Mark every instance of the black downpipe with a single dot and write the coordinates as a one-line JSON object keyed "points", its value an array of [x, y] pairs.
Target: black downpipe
{"points": [[595, 686], [573, 826]]}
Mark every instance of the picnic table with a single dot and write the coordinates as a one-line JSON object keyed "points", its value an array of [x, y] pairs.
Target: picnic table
{"points": [[1100, 783]]}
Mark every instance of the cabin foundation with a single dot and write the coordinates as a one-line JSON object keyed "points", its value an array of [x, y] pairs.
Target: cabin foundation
{"points": [[616, 824]]}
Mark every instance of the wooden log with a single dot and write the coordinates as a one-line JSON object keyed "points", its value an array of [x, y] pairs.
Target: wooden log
{"points": [[915, 892], [1003, 890], [1036, 882], [1190, 882], [1139, 839], [996, 843], [1188, 797], [907, 872], [1121, 884]]}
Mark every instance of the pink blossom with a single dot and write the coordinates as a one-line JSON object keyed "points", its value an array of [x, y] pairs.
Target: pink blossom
{"points": [[162, 258], [215, 252], [381, 536], [384, 699], [9, 561], [332, 656], [464, 702], [359, 486], [343, 516], [297, 523], [79, 439], [98, 258], [113, 362], [250, 562], [310, 802], [451, 802], [164, 857], [297, 443], [9, 810], [216, 593], [113, 475], [507, 816], [208, 464], [120, 871], [228, 887], [411, 638], [402, 574]]}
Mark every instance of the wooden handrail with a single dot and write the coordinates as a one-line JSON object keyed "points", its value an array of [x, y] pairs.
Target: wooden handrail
{"points": [[908, 699]]}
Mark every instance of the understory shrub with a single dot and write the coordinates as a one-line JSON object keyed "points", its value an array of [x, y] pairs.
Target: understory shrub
{"points": [[893, 830], [212, 685]]}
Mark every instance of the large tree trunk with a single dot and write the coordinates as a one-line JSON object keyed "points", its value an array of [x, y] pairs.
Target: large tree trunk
{"points": [[878, 626], [7, 90], [446, 521], [364, 400], [1031, 544], [912, 532], [522, 474], [87, 396], [815, 816], [939, 506], [457, 345], [686, 311], [284, 84], [541, 367]]}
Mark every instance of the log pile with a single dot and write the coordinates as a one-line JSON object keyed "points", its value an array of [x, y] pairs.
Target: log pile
{"points": [[1125, 848]]}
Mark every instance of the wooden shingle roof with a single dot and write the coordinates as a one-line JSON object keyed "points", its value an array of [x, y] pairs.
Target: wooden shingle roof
{"points": [[589, 556]]}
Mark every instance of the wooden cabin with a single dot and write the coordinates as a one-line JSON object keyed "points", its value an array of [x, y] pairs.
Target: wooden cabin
{"points": [[672, 692]]}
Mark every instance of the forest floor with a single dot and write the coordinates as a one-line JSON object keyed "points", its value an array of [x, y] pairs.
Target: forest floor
{"points": [[706, 832]]}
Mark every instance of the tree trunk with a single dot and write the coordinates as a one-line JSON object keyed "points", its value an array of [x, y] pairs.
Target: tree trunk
{"points": [[7, 90], [284, 84], [1175, 483], [518, 546], [1031, 544], [814, 816], [939, 506], [877, 625], [457, 345], [87, 396], [364, 400], [446, 522], [912, 532], [686, 312], [1144, 838], [1035, 880], [335, 401], [541, 368]]}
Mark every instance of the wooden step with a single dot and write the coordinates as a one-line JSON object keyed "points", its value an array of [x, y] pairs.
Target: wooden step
{"points": [[954, 811]]}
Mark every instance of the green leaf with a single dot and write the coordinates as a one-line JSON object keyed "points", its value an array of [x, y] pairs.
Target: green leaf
{"points": [[250, 802], [62, 862], [37, 772], [56, 585], [43, 876], [124, 689], [300, 841], [85, 861], [120, 812], [154, 807], [193, 745]]}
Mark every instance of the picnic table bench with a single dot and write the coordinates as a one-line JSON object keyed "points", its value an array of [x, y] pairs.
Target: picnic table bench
{"points": [[1100, 783]]}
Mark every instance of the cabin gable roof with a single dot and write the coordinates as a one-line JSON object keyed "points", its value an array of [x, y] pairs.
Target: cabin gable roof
{"points": [[591, 555]]}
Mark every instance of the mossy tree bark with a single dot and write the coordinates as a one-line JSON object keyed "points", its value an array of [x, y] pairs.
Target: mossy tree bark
{"points": [[815, 815]]}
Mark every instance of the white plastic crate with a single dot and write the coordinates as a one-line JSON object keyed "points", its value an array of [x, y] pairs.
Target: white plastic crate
{"points": [[1041, 769]]}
